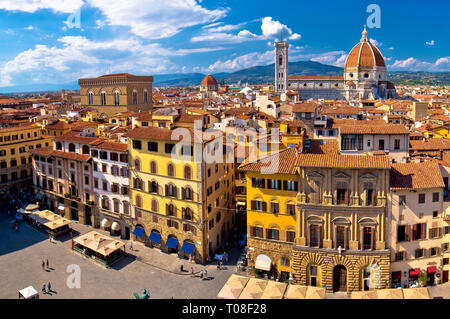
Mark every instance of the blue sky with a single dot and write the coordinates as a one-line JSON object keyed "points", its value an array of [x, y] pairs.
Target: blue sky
{"points": [[39, 45]]}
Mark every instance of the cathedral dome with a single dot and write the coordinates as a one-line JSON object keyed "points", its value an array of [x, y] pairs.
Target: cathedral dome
{"points": [[365, 55], [209, 80]]}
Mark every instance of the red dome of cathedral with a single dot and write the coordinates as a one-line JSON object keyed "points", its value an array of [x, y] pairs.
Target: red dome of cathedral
{"points": [[209, 80], [365, 54]]}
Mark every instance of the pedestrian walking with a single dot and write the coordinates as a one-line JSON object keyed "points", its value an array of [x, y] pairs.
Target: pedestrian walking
{"points": [[47, 264], [206, 274], [43, 289], [49, 287], [131, 245], [192, 272], [43, 265]]}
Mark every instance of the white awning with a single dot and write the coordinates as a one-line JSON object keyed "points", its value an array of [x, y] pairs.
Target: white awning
{"points": [[115, 226], [263, 263], [60, 207], [106, 223], [28, 292]]}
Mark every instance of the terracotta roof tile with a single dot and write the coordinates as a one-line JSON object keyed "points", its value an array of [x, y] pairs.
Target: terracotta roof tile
{"points": [[343, 161], [416, 176]]}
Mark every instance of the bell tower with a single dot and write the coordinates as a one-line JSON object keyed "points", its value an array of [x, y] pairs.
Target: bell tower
{"points": [[281, 66]]}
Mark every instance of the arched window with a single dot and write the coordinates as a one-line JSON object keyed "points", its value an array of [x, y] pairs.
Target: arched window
{"points": [[103, 98], [59, 146], [72, 147], [188, 214], [145, 97], [135, 98], [170, 170], [187, 172], [105, 202], [171, 210], [138, 184], [85, 149], [126, 207], [116, 204], [153, 167], [187, 193], [138, 201], [137, 164], [116, 98], [153, 187], [90, 98], [154, 205], [280, 59]]}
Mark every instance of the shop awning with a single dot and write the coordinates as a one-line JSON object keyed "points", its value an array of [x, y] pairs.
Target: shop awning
{"points": [[106, 223], [431, 270], [397, 275], [241, 203], [414, 272], [188, 248], [138, 231], [155, 237], [263, 262], [172, 243], [115, 226]]}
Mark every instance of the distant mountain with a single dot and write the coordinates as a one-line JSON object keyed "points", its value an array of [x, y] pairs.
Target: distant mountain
{"points": [[419, 78], [253, 75]]}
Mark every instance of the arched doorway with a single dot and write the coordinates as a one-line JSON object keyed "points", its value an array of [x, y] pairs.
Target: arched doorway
{"points": [[172, 244], [339, 278]]}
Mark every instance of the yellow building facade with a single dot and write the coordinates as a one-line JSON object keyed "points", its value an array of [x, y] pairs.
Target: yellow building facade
{"points": [[320, 218], [15, 159], [182, 199]]}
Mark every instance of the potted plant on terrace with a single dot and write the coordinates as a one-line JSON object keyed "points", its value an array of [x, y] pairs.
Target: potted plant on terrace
{"points": [[423, 279]]}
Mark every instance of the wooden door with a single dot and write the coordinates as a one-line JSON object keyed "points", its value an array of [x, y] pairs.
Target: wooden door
{"points": [[445, 276], [339, 278]]}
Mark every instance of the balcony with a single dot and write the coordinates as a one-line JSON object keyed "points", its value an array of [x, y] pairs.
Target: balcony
{"points": [[320, 121]]}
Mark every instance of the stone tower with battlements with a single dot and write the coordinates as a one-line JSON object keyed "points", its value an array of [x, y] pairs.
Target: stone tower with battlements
{"points": [[281, 66]]}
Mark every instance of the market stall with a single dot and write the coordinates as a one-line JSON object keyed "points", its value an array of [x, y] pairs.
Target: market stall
{"points": [[51, 223], [102, 249], [28, 293]]}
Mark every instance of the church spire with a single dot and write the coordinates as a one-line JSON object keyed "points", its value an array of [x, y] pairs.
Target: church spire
{"points": [[365, 35]]}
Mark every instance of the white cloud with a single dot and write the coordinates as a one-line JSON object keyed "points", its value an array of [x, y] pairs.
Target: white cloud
{"points": [[277, 30], [336, 58], [242, 62], [76, 56], [31, 6], [431, 43], [413, 64], [271, 30], [30, 27], [156, 19], [151, 19], [376, 43]]}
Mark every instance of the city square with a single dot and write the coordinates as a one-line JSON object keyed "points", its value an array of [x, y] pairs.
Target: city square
{"points": [[28, 247]]}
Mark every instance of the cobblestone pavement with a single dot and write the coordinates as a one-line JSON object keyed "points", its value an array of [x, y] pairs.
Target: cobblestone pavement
{"points": [[22, 252]]}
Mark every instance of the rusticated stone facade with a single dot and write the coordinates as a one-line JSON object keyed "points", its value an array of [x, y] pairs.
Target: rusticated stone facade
{"points": [[151, 222], [271, 248], [354, 262], [122, 93]]}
